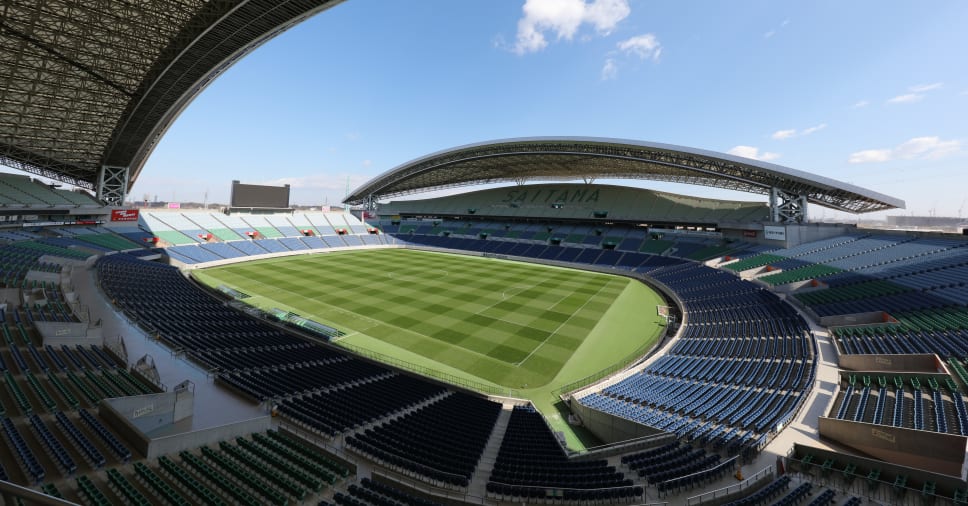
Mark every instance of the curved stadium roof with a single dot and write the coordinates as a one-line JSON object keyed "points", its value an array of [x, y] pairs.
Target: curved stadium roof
{"points": [[573, 158], [92, 83]]}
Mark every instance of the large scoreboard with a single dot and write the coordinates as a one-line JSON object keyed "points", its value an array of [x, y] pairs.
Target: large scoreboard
{"points": [[257, 196]]}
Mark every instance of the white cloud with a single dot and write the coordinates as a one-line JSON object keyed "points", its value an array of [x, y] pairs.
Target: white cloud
{"points": [[770, 33], [859, 104], [792, 132], [645, 46], [964, 92], [784, 134], [563, 18], [609, 70], [918, 148], [921, 88], [753, 152], [605, 14], [870, 155], [907, 98], [926, 148], [817, 128], [916, 93], [366, 163]]}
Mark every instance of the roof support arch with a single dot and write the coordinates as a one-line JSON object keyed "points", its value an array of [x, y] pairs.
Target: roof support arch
{"points": [[87, 94], [112, 184], [591, 158], [787, 207]]}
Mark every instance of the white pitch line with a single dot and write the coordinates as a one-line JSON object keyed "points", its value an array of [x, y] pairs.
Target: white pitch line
{"points": [[337, 309], [375, 322], [504, 294], [536, 348]]}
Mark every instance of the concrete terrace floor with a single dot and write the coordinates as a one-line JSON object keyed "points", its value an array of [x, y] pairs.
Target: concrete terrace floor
{"points": [[214, 406]]}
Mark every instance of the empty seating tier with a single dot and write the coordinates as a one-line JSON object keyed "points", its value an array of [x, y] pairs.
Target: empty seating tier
{"points": [[532, 464], [381, 494], [885, 402], [738, 371], [441, 442], [335, 411], [25, 456]]}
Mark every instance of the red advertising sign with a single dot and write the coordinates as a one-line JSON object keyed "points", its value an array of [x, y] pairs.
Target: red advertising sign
{"points": [[124, 215], [749, 233]]}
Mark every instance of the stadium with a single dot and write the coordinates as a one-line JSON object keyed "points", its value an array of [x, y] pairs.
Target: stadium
{"points": [[535, 335]]}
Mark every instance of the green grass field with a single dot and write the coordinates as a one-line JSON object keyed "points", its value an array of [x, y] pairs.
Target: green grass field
{"points": [[523, 328]]}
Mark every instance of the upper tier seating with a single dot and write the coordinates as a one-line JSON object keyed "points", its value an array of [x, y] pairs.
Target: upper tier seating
{"points": [[883, 402], [739, 370], [22, 191]]}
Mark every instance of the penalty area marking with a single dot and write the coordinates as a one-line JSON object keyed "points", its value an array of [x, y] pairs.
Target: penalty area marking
{"points": [[514, 290], [275, 289], [562, 324], [344, 336]]}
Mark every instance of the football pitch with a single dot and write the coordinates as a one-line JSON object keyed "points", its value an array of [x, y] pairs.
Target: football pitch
{"points": [[516, 326]]}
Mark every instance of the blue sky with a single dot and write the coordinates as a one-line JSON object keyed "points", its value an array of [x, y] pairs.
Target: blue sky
{"points": [[872, 93]]}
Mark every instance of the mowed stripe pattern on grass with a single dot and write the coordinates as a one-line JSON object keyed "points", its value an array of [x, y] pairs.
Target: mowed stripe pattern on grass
{"points": [[508, 323]]}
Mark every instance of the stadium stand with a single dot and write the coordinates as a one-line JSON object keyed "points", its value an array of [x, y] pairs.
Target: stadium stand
{"points": [[230, 239], [850, 259], [262, 226], [232, 222], [363, 390], [286, 382], [207, 324], [739, 369], [108, 241], [222, 250], [737, 372], [25, 456], [165, 232], [532, 465], [616, 236], [178, 222], [372, 492], [576, 201], [23, 191], [131, 232], [322, 224], [283, 225], [332, 412], [937, 410], [211, 225], [443, 441]]}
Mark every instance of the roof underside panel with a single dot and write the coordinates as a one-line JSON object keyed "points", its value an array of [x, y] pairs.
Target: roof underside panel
{"points": [[521, 160], [96, 82]]}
